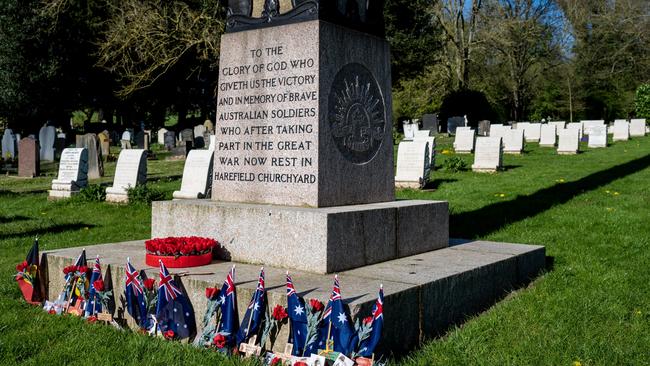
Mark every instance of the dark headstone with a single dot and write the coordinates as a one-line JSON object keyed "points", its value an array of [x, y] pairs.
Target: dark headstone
{"points": [[187, 135], [59, 144], [430, 122], [170, 140], [139, 140], [484, 128], [95, 164], [28, 158], [453, 123], [115, 138]]}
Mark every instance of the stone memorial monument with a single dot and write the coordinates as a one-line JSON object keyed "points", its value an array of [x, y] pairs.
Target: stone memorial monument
{"points": [[637, 127], [28, 158], [484, 128], [161, 136], [73, 173], [432, 147], [488, 157], [430, 122], [131, 170], [575, 126], [513, 141], [568, 141], [522, 126], [199, 140], [559, 125], [46, 137], [8, 145], [409, 129], [464, 141], [197, 176], [104, 143], [453, 123], [170, 140], [548, 135], [60, 143], [589, 125], [213, 143], [95, 163], [597, 136], [140, 137], [532, 132], [621, 130], [498, 130], [186, 137], [413, 164]]}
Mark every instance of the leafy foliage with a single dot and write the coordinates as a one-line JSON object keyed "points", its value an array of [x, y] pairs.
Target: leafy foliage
{"points": [[454, 164], [144, 193], [642, 102], [91, 193]]}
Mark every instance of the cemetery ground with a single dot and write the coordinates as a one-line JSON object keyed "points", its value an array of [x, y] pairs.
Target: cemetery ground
{"points": [[592, 305]]}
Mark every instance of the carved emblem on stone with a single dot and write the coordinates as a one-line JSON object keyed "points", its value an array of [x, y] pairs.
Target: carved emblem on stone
{"points": [[356, 114]]}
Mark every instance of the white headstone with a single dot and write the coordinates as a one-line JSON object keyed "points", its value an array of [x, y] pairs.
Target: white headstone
{"points": [[533, 132], [589, 125], [197, 175], [522, 126], [199, 130], [8, 145], [489, 154], [161, 136], [73, 173], [499, 130], [559, 125], [568, 141], [575, 126], [46, 137], [213, 143], [131, 170], [432, 147], [409, 130], [421, 134], [513, 141], [621, 130], [412, 164], [548, 135], [637, 127], [464, 141], [597, 136]]}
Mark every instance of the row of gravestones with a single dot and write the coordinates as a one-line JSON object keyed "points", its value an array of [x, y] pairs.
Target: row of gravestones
{"points": [[46, 140], [131, 171], [416, 152]]}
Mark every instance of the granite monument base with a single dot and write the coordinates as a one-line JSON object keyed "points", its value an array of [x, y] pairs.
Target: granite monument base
{"points": [[425, 294], [60, 194], [320, 240], [117, 197]]}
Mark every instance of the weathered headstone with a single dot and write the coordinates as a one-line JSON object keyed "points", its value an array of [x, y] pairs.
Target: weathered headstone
{"points": [[559, 125], [489, 154], [197, 176], [8, 145], [568, 141], [46, 137], [199, 141], [95, 164], [453, 123], [28, 158], [430, 122], [105, 143], [513, 141], [186, 136], [621, 130], [209, 126], [170, 140], [409, 130], [131, 170], [484, 128], [413, 164], [548, 135], [589, 125], [532, 132], [637, 127], [597, 136], [73, 173], [575, 126], [464, 141], [161, 136]]}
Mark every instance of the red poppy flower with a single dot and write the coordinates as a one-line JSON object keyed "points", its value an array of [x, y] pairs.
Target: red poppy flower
{"points": [[99, 285], [149, 283], [169, 334], [219, 341], [299, 363], [92, 319], [51, 311], [316, 305], [21, 267], [69, 269], [279, 313], [367, 320], [82, 269], [211, 292], [276, 361]]}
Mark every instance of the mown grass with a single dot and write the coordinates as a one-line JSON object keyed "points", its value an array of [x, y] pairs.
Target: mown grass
{"points": [[591, 306]]}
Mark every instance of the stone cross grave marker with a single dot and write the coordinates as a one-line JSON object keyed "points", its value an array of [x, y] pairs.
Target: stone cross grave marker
{"points": [[95, 164], [489, 154], [568, 141], [464, 141], [412, 164], [250, 349], [597, 136], [73, 173], [559, 125], [621, 130], [197, 175], [161, 136], [46, 137], [131, 170], [513, 141], [28, 158], [8, 145], [637, 127], [548, 135]]}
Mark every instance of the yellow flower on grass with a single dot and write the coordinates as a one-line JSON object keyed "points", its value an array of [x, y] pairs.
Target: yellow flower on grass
{"points": [[576, 363], [637, 312], [616, 193], [446, 152], [499, 195], [561, 180], [607, 191]]}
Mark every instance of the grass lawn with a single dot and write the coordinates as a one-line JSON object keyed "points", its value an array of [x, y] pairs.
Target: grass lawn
{"points": [[589, 210]]}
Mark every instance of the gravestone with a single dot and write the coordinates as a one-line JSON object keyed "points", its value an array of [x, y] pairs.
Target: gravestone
{"points": [[488, 157], [60, 143], [637, 127], [213, 143], [413, 164], [73, 173], [548, 135], [161, 136], [8, 145], [186, 136], [199, 141], [28, 158], [597, 136], [46, 137], [139, 140], [115, 137], [131, 170], [498, 130], [95, 164], [422, 134], [522, 126], [197, 176], [559, 125], [104, 143], [453, 123], [589, 125], [568, 141], [464, 141], [432, 147], [430, 122], [532, 132], [209, 126], [410, 129], [575, 126], [621, 130], [513, 141], [484, 128], [170, 140]]}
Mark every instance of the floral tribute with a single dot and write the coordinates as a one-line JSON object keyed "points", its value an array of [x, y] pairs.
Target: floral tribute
{"points": [[178, 252]]}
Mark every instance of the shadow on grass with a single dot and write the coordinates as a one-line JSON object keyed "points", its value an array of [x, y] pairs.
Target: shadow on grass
{"points": [[7, 192], [434, 184], [55, 229], [490, 218], [6, 219]]}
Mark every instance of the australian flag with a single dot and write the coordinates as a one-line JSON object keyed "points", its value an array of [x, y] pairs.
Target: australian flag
{"points": [[297, 319], [228, 323], [94, 304], [134, 294], [173, 310], [336, 323], [367, 346], [253, 317]]}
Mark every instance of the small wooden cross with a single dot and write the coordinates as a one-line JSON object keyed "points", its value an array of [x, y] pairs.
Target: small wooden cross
{"points": [[286, 355], [250, 349], [105, 317]]}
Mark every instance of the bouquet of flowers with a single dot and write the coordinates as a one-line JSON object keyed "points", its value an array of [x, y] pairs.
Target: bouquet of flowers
{"points": [[178, 252]]}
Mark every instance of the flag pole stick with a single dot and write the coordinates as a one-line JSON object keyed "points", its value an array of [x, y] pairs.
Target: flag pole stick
{"points": [[250, 317]]}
